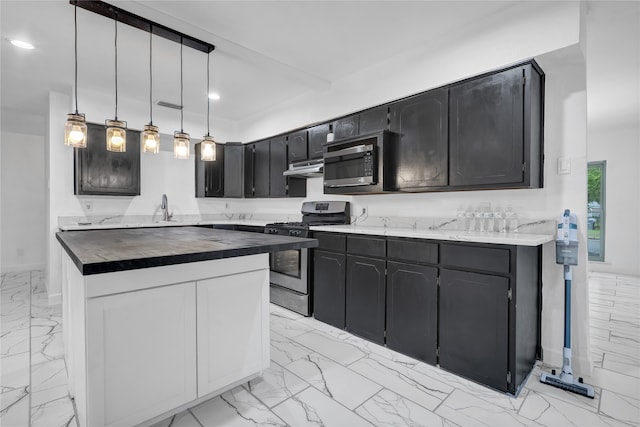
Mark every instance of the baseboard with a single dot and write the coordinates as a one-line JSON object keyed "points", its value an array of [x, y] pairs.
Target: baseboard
{"points": [[55, 299], [581, 365], [20, 267]]}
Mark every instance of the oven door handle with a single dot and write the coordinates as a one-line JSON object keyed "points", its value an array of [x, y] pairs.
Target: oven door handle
{"points": [[349, 182], [351, 150]]}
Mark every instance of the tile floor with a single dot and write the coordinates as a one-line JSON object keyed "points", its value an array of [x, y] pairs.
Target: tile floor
{"points": [[322, 376]]}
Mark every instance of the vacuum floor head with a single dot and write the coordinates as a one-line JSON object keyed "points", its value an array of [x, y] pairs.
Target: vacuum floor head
{"points": [[572, 386]]}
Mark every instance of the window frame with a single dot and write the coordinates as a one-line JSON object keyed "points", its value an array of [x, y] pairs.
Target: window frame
{"points": [[602, 164]]}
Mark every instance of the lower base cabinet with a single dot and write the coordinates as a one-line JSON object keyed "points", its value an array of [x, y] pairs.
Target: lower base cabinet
{"points": [[366, 297], [412, 310], [474, 324], [329, 270]]}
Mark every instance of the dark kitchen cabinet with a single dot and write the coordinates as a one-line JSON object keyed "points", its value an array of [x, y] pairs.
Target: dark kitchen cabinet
{"points": [[346, 127], [474, 325], [233, 170], [412, 310], [374, 120], [248, 169], [277, 165], [210, 175], [329, 272], [261, 169], [366, 287], [420, 156], [317, 138], [495, 130], [298, 146]]}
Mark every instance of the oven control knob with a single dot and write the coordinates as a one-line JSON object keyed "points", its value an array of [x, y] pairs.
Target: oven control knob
{"points": [[294, 233]]}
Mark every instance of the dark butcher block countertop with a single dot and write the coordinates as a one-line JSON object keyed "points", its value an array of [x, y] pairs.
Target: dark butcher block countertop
{"points": [[106, 251]]}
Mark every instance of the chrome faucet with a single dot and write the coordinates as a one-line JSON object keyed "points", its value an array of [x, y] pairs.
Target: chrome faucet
{"points": [[164, 206]]}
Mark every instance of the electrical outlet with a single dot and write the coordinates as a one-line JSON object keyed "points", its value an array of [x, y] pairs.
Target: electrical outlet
{"points": [[88, 205]]}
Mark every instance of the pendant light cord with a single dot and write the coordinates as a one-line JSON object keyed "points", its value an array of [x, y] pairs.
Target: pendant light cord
{"points": [[208, 91], [150, 76], [116, 62], [75, 26], [181, 90]]}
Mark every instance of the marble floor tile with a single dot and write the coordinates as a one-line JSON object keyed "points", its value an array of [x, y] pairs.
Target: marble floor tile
{"points": [[411, 384], [609, 347], [534, 385], [283, 312], [603, 334], [336, 381], [275, 385], [48, 382], [551, 412], [600, 315], [56, 413], [491, 396], [464, 409], [14, 371], [387, 408], [331, 347], [622, 408], [313, 408], [623, 365], [284, 326], [613, 381], [15, 407], [183, 419], [285, 350], [631, 321], [14, 342], [236, 408]]}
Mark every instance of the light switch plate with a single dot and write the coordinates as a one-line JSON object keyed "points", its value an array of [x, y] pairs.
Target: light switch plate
{"points": [[564, 165]]}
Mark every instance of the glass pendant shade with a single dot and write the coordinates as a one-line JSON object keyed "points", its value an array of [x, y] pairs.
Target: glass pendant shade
{"points": [[116, 135], [75, 131], [181, 145], [208, 149], [150, 139]]}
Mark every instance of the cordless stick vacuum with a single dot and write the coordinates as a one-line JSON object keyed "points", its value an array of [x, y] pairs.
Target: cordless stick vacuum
{"points": [[567, 255]]}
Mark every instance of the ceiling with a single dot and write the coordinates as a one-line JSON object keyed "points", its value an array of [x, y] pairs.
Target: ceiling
{"points": [[267, 52]]}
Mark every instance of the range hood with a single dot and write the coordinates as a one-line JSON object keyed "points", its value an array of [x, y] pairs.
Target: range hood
{"points": [[305, 169]]}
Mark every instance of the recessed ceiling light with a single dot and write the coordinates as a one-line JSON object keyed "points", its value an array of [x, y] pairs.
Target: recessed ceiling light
{"points": [[22, 44], [214, 96]]}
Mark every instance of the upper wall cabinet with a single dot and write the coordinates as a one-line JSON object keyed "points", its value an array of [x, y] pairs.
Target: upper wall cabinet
{"points": [[233, 170], [210, 175], [278, 164], [368, 121], [420, 155], [101, 172], [495, 130], [297, 143], [317, 138], [261, 168], [346, 127]]}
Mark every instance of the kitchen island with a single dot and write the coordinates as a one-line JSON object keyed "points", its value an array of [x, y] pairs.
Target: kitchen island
{"points": [[159, 319]]}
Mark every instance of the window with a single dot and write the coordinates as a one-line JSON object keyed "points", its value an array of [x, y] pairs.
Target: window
{"points": [[596, 209]]}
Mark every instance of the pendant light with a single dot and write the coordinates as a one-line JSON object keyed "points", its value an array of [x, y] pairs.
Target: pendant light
{"points": [[116, 129], [208, 146], [180, 138], [150, 138], [75, 129]]}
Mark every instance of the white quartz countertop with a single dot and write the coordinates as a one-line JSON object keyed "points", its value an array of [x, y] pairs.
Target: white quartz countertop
{"points": [[88, 225], [522, 239]]}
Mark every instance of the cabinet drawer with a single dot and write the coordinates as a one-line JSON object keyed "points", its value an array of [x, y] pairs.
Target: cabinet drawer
{"points": [[475, 258], [373, 246], [414, 250], [331, 241]]}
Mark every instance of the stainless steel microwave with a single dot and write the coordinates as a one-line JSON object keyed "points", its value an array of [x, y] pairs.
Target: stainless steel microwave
{"points": [[355, 165]]}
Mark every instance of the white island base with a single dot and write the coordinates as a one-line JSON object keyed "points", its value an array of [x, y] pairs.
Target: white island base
{"points": [[143, 344]]}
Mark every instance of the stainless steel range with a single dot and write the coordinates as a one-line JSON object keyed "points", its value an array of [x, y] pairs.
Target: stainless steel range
{"points": [[290, 276]]}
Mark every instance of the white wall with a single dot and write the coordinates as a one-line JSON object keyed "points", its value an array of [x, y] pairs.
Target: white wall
{"points": [[513, 36], [22, 205]]}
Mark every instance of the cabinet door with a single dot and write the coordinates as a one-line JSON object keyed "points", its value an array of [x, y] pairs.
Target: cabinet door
{"points": [[240, 348], [329, 287], [261, 161], [365, 305], [127, 377], [486, 130], [233, 170], [346, 126], [297, 146], [374, 120], [317, 138], [420, 157], [249, 190], [278, 164], [210, 175], [412, 310], [474, 324]]}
